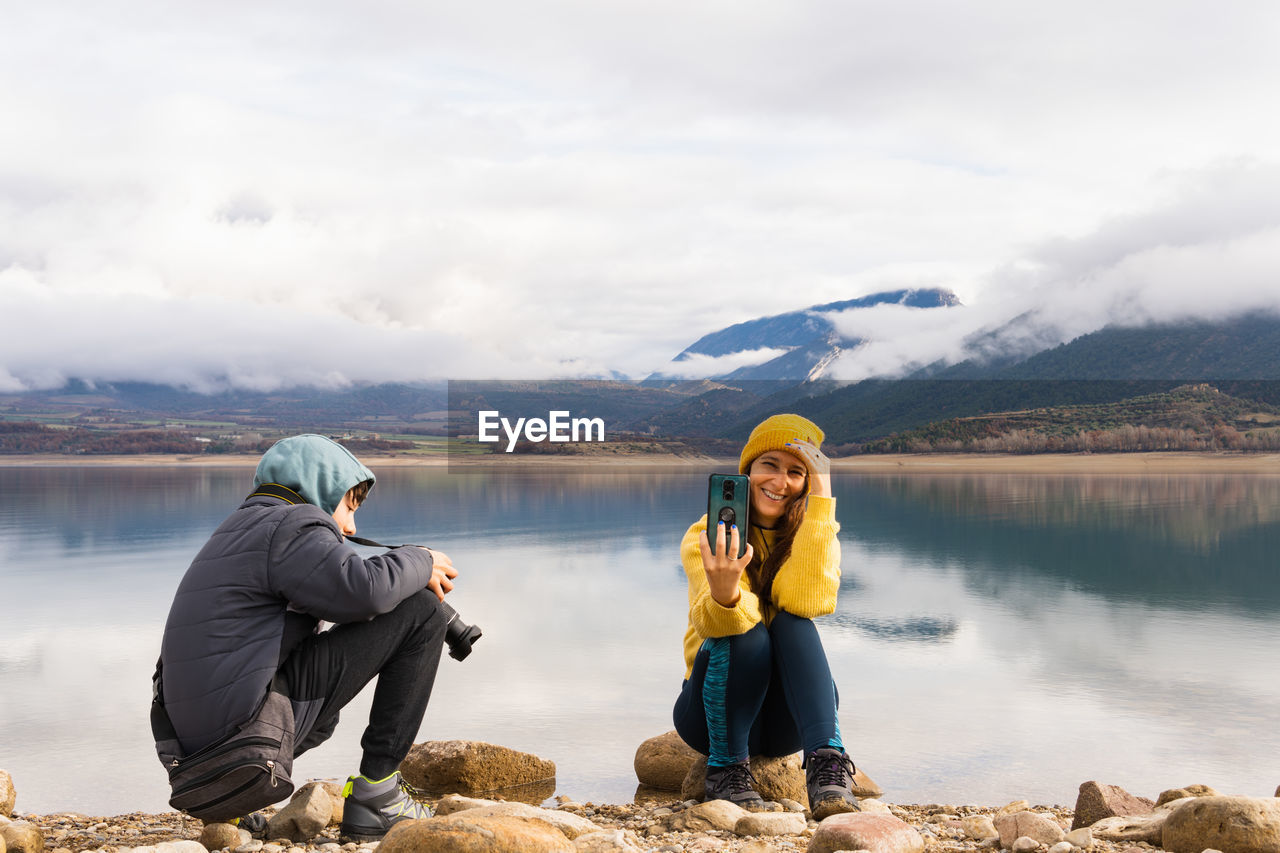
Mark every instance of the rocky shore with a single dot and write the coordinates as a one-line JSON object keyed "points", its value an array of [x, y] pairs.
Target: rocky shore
{"points": [[1105, 819]]}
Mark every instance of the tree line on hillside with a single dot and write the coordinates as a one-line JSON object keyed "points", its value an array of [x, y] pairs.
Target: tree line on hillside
{"points": [[1124, 439]]}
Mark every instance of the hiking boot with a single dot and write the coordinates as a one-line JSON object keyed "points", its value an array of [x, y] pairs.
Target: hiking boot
{"points": [[736, 784], [371, 808], [828, 776], [255, 824]]}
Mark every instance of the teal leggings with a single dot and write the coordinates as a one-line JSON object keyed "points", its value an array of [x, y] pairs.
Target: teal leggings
{"points": [[766, 692]]}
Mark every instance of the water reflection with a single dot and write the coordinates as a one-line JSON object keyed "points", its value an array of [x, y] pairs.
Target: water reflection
{"points": [[997, 637], [1189, 541]]}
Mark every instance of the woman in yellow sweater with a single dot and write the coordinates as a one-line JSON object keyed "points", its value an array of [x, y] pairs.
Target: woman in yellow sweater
{"points": [[756, 676]]}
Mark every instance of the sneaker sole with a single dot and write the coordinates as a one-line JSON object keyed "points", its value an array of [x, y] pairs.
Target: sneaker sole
{"points": [[831, 806]]}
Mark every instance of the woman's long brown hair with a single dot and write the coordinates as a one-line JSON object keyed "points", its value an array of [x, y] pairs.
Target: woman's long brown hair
{"points": [[761, 572]]}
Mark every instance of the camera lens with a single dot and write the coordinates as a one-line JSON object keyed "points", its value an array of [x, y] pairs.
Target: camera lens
{"points": [[728, 491]]}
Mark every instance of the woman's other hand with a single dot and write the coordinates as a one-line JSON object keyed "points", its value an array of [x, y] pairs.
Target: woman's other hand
{"points": [[723, 573], [818, 464]]}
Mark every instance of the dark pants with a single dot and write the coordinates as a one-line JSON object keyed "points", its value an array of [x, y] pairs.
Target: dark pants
{"points": [[766, 692], [325, 671]]}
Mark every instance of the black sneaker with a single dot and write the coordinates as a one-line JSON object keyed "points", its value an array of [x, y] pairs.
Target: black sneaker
{"points": [[828, 776], [255, 824], [736, 784], [370, 808]]}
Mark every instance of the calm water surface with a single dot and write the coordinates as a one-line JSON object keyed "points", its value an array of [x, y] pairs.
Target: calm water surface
{"points": [[998, 636]]}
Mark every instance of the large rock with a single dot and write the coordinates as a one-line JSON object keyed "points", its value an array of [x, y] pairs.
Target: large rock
{"points": [[713, 814], [1182, 793], [458, 834], [876, 833], [1232, 824], [771, 823], [20, 836], [569, 824], [216, 836], [664, 761], [8, 794], [777, 778], [1097, 801], [1027, 824], [471, 767], [306, 815]]}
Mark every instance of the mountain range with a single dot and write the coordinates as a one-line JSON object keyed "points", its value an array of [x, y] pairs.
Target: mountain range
{"points": [[810, 339], [1239, 356]]}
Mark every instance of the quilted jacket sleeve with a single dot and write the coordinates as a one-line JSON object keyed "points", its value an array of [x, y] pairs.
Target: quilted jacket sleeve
{"points": [[319, 574]]}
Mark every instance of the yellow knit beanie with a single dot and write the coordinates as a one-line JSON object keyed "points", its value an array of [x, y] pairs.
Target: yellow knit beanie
{"points": [[773, 433]]}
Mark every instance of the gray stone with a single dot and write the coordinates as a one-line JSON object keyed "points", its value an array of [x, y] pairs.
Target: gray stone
{"points": [[471, 767], [21, 836], [771, 823], [8, 794], [979, 827], [608, 841], [306, 815], [1062, 847], [330, 787], [663, 761], [1235, 824], [1097, 801], [713, 814], [1024, 844], [875, 833], [1027, 823], [457, 833], [252, 846], [1082, 838]]}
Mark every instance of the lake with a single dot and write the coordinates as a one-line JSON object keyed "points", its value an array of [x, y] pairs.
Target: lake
{"points": [[998, 637]]}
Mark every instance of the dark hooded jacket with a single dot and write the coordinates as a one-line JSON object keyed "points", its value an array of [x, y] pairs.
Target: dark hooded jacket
{"points": [[262, 582]]}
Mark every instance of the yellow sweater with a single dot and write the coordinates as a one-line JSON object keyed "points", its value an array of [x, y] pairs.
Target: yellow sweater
{"points": [[806, 584]]}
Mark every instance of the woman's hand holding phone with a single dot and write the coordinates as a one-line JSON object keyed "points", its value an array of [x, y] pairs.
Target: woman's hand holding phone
{"points": [[724, 573]]}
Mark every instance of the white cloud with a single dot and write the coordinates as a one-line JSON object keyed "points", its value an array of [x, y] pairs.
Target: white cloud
{"points": [[480, 189]]}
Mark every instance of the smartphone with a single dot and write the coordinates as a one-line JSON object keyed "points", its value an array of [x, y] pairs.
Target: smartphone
{"points": [[727, 501]]}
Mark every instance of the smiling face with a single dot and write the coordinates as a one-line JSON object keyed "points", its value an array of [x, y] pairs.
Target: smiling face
{"points": [[777, 479]]}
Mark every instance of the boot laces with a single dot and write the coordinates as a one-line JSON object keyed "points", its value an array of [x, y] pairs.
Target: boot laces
{"points": [[833, 768], [734, 779]]}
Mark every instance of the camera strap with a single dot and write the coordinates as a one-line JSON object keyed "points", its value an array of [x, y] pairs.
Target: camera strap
{"points": [[359, 540]]}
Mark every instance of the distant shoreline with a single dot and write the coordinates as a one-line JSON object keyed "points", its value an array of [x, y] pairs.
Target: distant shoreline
{"points": [[1266, 464]]}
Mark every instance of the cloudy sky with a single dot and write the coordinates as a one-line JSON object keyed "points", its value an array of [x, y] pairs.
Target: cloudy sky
{"points": [[256, 193]]}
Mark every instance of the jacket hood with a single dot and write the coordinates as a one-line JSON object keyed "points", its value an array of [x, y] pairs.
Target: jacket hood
{"points": [[320, 470]]}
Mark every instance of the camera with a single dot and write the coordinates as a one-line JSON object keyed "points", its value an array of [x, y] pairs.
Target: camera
{"points": [[458, 634]]}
